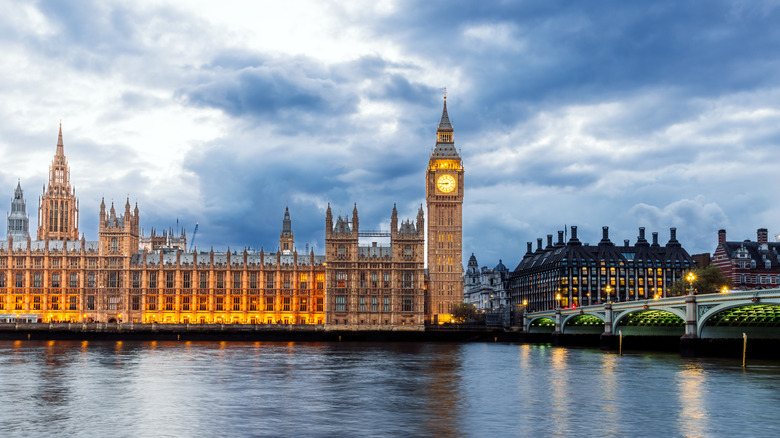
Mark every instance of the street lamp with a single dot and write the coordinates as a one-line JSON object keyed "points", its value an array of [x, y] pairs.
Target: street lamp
{"points": [[691, 277], [724, 290], [609, 293], [558, 301]]}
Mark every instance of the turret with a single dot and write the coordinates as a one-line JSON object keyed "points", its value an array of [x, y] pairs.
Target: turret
{"points": [[394, 221], [286, 242], [328, 221], [420, 220], [355, 219]]}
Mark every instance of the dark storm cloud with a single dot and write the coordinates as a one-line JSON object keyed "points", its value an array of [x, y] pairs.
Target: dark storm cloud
{"points": [[397, 87], [583, 52], [287, 90], [260, 92], [245, 195]]}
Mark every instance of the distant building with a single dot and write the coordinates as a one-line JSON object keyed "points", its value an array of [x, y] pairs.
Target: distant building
{"points": [[165, 240], [18, 221], [575, 274], [486, 289], [749, 265]]}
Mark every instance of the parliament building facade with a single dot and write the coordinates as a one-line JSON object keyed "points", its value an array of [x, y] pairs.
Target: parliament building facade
{"points": [[126, 277]]}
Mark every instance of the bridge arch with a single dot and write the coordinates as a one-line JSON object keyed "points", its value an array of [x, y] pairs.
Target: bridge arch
{"points": [[658, 321], [543, 324], [759, 318], [585, 323]]}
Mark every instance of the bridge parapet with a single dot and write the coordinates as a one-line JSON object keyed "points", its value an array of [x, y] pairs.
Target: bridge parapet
{"points": [[694, 310]]}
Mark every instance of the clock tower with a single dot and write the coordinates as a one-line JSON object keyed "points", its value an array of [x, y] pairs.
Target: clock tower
{"points": [[444, 197]]}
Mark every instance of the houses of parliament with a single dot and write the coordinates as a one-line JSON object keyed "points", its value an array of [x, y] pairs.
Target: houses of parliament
{"points": [[126, 277]]}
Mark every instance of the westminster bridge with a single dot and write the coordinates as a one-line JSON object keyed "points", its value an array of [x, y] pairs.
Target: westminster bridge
{"points": [[711, 316]]}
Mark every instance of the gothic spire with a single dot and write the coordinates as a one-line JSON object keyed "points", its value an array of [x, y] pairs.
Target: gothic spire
{"points": [[286, 223], [444, 124], [445, 137], [60, 148], [18, 194]]}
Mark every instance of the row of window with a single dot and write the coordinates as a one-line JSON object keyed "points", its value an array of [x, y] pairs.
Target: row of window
{"points": [[759, 279], [286, 280], [372, 304], [55, 280], [752, 264], [202, 303], [37, 302], [54, 262]]}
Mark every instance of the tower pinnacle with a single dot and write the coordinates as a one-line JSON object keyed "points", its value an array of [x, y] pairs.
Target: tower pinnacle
{"points": [[60, 147]]}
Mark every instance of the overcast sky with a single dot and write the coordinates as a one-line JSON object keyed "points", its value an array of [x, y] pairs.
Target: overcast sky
{"points": [[624, 114]]}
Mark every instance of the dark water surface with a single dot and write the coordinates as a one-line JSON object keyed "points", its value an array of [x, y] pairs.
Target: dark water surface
{"points": [[62, 388]]}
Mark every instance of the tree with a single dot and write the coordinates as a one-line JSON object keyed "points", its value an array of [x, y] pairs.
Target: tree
{"points": [[708, 280], [463, 312]]}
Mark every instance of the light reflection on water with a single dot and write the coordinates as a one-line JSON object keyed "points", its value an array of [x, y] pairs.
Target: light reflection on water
{"points": [[354, 389]]}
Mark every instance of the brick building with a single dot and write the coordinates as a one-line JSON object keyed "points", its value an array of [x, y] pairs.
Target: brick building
{"points": [[749, 264]]}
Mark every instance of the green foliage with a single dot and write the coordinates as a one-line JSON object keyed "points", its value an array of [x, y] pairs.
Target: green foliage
{"points": [[464, 312], [708, 280]]}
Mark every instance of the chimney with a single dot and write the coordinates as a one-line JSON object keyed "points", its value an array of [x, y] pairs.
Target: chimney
{"points": [[560, 238], [573, 240], [655, 238], [549, 241], [721, 237], [625, 243], [641, 241], [530, 248], [539, 244], [605, 237], [763, 236], [673, 238]]}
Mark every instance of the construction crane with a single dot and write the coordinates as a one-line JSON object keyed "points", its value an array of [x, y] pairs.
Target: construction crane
{"points": [[194, 233]]}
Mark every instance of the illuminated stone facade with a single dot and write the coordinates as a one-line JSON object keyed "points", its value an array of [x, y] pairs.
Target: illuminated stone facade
{"points": [[124, 277], [375, 285], [58, 211], [444, 195]]}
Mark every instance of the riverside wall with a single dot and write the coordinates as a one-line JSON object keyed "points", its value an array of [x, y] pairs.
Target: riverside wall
{"points": [[756, 348]]}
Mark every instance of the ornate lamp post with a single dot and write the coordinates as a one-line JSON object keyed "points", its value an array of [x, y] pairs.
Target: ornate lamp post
{"points": [[608, 290], [557, 301], [691, 277]]}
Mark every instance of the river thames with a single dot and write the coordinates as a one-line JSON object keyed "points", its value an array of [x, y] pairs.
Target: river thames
{"points": [[70, 388]]}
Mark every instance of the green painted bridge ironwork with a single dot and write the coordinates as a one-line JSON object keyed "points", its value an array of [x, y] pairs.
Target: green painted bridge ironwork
{"points": [[720, 315]]}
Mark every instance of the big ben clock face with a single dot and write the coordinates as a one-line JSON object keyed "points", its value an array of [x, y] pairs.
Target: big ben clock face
{"points": [[446, 183]]}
